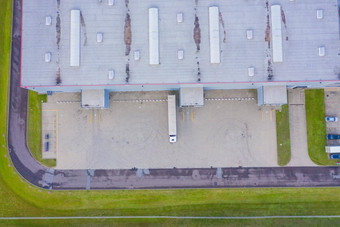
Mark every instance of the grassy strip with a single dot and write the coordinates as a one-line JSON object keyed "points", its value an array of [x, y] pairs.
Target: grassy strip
{"points": [[283, 136], [175, 222], [10, 202], [34, 139], [316, 127], [18, 198]]}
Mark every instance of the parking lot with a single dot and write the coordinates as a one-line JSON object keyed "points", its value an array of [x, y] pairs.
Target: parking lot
{"points": [[332, 108], [224, 133], [49, 134]]}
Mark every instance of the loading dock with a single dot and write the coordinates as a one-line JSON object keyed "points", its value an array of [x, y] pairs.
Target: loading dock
{"points": [[191, 97]]}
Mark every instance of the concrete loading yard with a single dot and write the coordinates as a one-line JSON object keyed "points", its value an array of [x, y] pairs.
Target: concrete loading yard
{"points": [[134, 133]]}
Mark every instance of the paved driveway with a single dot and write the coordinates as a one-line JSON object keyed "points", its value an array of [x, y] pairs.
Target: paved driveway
{"points": [[332, 108], [298, 129], [135, 134]]}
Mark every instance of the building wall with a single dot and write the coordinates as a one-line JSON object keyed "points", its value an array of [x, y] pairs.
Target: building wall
{"points": [[160, 87]]}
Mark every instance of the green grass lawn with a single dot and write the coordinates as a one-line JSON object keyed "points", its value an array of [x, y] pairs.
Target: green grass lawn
{"points": [[316, 127], [34, 127], [283, 135], [18, 198], [176, 222]]}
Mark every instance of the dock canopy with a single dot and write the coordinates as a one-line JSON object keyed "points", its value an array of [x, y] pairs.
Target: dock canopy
{"points": [[191, 96], [272, 95], [95, 99]]}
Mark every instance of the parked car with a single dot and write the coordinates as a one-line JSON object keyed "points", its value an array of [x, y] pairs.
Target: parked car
{"points": [[333, 137], [335, 156], [331, 119]]}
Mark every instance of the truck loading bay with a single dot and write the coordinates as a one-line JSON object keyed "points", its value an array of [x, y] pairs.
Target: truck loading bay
{"points": [[230, 130]]}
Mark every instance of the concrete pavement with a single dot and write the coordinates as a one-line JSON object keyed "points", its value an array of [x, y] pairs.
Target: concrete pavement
{"points": [[298, 129]]}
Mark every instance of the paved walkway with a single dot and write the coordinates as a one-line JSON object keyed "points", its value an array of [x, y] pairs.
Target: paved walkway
{"points": [[298, 129]]}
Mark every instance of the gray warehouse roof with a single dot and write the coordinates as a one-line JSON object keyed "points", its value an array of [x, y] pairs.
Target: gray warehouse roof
{"points": [[302, 33]]}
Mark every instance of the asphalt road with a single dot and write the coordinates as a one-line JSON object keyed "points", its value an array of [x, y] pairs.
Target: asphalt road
{"points": [[49, 178]]}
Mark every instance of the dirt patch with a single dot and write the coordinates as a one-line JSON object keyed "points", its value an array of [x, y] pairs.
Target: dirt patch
{"points": [[197, 33], [83, 26], [267, 33], [270, 70], [58, 29], [127, 71], [58, 77], [283, 16], [198, 71], [127, 34], [224, 31]]}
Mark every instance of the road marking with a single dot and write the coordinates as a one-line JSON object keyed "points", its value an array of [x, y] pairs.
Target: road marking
{"points": [[90, 118], [171, 217], [192, 116], [100, 118], [271, 115], [57, 123], [183, 117]]}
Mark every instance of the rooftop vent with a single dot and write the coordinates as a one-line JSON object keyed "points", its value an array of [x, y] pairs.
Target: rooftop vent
{"points": [[110, 2], [137, 55], [179, 17], [180, 54], [249, 34], [111, 74], [319, 14], [322, 51], [251, 71], [48, 57], [48, 20], [99, 37]]}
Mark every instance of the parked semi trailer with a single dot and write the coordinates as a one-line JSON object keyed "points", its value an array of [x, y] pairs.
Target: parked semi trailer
{"points": [[332, 149], [172, 118]]}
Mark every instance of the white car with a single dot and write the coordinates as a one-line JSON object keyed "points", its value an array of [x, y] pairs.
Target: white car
{"points": [[331, 119]]}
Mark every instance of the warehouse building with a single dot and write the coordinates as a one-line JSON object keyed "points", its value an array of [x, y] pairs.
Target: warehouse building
{"points": [[106, 46]]}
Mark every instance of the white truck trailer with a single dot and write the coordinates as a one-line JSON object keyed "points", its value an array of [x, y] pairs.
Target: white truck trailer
{"points": [[332, 149], [172, 118]]}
